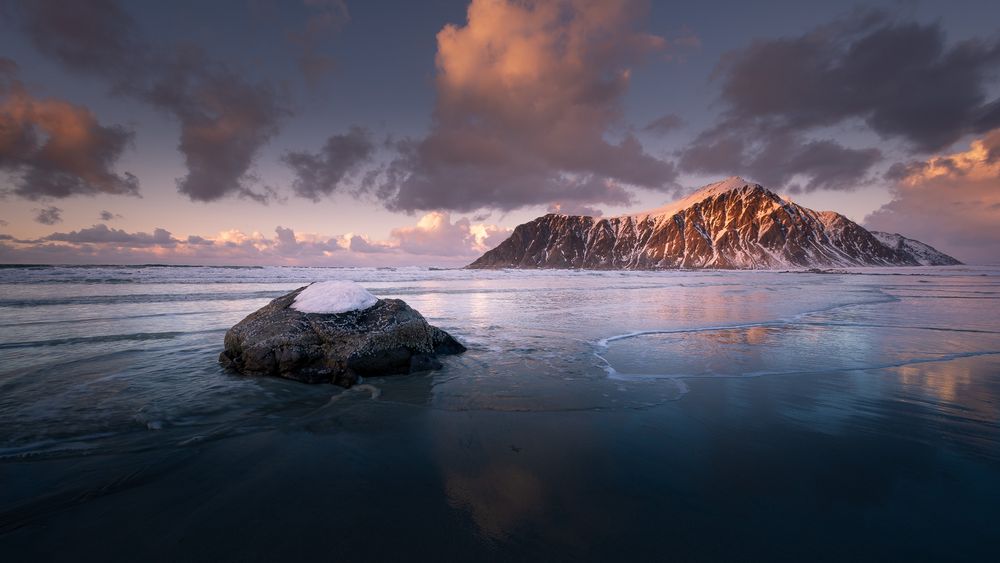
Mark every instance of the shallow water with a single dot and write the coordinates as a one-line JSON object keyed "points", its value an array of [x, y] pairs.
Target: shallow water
{"points": [[596, 415]]}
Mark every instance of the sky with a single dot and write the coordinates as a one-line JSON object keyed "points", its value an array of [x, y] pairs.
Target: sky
{"points": [[349, 133]]}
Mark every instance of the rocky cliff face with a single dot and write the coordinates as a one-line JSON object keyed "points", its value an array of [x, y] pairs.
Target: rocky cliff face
{"points": [[731, 224]]}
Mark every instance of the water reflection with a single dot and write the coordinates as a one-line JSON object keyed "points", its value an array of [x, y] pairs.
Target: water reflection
{"points": [[499, 499], [852, 453], [961, 391]]}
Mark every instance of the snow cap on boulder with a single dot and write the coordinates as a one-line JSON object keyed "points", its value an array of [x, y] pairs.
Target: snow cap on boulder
{"points": [[331, 297]]}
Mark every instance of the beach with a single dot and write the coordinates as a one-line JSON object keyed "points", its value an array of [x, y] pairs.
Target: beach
{"points": [[597, 415]]}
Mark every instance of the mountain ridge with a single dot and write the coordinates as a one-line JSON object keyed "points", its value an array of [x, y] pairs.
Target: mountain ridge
{"points": [[732, 224]]}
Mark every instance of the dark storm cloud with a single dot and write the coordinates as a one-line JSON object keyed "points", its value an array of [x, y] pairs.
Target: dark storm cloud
{"points": [[427, 176], [320, 174], [901, 78], [102, 234], [51, 148], [48, 215], [225, 118], [526, 93], [776, 158]]}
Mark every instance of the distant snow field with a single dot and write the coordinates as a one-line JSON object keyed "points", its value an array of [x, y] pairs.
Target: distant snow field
{"points": [[333, 297]]}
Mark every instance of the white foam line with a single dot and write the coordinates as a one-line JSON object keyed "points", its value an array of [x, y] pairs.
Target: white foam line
{"points": [[603, 343], [360, 388], [614, 374]]}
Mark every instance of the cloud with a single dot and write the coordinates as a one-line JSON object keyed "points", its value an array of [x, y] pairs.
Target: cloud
{"points": [[951, 202], [320, 174], [664, 124], [52, 148], [102, 244], [106, 215], [526, 93], [900, 78], [225, 118], [434, 240], [48, 215], [288, 244], [102, 234], [435, 234], [574, 209], [778, 158], [361, 243]]}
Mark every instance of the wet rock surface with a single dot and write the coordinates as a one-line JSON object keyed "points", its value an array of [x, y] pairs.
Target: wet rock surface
{"points": [[387, 338]]}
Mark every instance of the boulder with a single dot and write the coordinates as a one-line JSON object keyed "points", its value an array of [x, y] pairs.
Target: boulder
{"points": [[381, 337]]}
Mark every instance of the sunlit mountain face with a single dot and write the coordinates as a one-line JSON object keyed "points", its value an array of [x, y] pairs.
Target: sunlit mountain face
{"points": [[730, 224], [499, 280]]}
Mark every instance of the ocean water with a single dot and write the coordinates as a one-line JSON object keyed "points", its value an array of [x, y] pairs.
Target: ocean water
{"points": [[695, 416]]}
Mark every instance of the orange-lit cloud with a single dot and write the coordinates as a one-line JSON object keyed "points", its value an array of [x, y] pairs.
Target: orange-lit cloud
{"points": [[225, 117], [52, 148], [527, 92], [435, 234], [951, 201]]}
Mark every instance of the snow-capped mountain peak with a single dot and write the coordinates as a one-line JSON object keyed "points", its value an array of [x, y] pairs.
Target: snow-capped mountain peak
{"points": [[730, 184], [729, 224]]}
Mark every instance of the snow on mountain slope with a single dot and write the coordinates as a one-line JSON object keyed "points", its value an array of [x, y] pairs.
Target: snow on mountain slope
{"points": [[925, 254], [729, 184], [730, 224]]}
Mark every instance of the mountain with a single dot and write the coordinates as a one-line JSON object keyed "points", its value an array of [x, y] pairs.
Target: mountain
{"points": [[924, 254], [731, 224]]}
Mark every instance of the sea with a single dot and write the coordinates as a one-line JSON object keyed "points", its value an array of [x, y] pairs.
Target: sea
{"points": [[848, 415]]}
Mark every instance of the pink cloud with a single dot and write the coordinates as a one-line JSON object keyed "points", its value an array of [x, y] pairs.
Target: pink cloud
{"points": [[434, 240], [436, 234]]}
